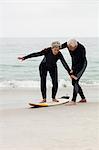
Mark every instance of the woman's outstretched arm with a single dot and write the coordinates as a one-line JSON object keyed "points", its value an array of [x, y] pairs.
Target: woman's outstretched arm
{"points": [[36, 54]]}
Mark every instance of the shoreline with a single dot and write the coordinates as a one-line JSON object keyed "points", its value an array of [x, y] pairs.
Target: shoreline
{"points": [[20, 97]]}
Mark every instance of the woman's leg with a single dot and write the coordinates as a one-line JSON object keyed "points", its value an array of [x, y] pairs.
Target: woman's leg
{"points": [[43, 74], [54, 77]]}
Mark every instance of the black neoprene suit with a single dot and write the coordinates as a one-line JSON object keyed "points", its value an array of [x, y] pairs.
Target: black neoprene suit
{"points": [[49, 63], [79, 64]]}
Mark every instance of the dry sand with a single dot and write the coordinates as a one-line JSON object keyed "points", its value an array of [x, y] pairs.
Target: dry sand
{"points": [[52, 128]]}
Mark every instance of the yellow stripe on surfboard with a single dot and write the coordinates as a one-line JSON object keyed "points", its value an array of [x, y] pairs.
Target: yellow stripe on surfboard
{"points": [[39, 105]]}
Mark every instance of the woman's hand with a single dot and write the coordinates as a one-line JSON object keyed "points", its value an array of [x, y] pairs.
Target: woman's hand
{"points": [[71, 71], [73, 77], [21, 58]]}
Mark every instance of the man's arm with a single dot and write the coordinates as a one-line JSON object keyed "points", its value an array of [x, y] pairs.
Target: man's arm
{"points": [[83, 53], [64, 45], [82, 59]]}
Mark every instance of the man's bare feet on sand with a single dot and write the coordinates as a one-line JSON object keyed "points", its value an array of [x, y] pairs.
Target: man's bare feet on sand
{"points": [[70, 103], [83, 101]]}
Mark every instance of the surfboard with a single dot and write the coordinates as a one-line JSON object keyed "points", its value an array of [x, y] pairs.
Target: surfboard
{"points": [[48, 104]]}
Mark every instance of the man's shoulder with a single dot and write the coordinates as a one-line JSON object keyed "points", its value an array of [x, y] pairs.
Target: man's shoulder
{"points": [[81, 45]]}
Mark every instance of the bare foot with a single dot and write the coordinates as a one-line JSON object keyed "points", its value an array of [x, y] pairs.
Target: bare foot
{"points": [[43, 101], [71, 103], [55, 100], [83, 101]]}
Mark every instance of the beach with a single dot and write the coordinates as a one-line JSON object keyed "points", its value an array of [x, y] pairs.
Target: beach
{"points": [[44, 30], [51, 128]]}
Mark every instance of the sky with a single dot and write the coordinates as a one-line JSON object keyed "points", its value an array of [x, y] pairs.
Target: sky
{"points": [[49, 18]]}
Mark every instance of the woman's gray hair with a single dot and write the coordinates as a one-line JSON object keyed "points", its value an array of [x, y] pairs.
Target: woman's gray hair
{"points": [[55, 44]]}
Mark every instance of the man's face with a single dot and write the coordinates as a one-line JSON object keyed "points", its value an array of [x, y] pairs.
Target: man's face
{"points": [[55, 50], [72, 47]]}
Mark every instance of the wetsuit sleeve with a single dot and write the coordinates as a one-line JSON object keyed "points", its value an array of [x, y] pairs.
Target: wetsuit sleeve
{"points": [[83, 53], [64, 45], [64, 63], [82, 60], [41, 53]]}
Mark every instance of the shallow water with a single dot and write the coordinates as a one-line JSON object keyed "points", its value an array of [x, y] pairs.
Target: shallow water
{"points": [[14, 73]]}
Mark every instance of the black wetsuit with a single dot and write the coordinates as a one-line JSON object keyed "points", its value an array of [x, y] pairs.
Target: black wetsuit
{"points": [[49, 64], [79, 64]]}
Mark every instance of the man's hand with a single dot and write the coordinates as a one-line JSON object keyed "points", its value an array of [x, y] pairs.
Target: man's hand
{"points": [[21, 58], [73, 77]]}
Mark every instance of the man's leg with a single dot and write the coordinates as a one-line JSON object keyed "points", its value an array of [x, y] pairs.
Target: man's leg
{"points": [[75, 89], [54, 77], [80, 91], [43, 74]]}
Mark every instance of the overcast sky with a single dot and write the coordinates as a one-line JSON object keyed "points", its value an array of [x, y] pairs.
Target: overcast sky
{"points": [[49, 18]]}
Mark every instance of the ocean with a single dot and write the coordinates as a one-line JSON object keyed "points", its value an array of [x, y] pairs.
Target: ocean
{"points": [[16, 74]]}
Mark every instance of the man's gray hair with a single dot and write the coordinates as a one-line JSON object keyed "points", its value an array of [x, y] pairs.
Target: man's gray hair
{"points": [[72, 42], [55, 44]]}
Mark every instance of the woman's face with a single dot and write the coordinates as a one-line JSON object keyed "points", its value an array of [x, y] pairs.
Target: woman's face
{"points": [[55, 50]]}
